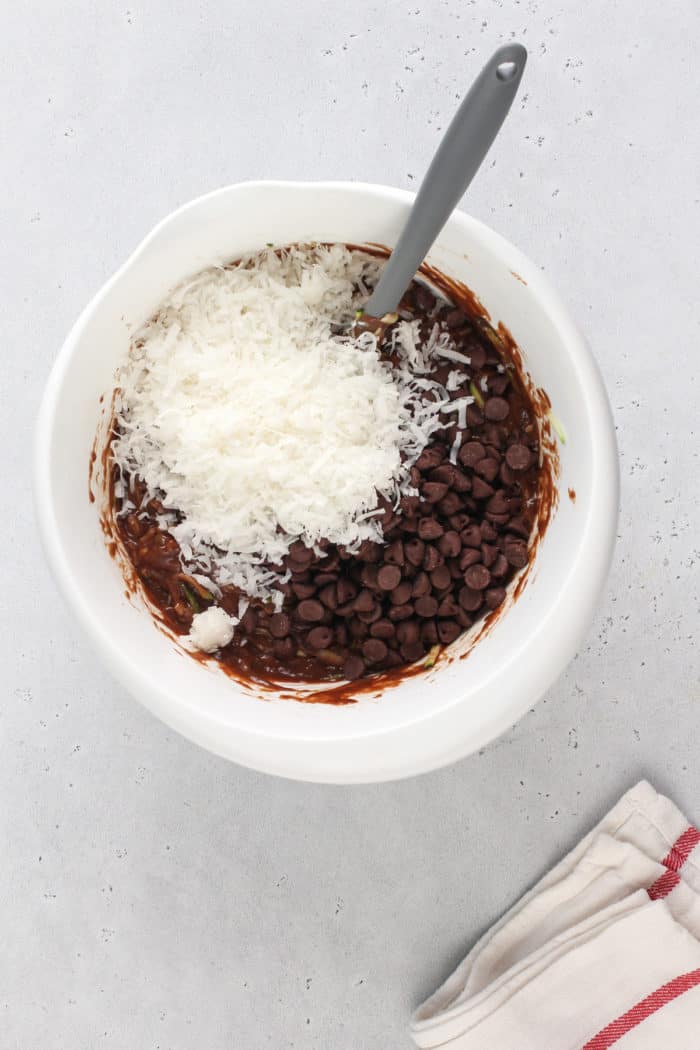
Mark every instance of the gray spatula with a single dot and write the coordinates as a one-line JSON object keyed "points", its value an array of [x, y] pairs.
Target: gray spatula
{"points": [[464, 146]]}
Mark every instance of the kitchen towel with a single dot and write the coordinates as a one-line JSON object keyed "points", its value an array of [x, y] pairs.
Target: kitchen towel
{"points": [[604, 951]]}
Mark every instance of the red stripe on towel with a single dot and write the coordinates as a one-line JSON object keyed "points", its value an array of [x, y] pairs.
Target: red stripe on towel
{"points": [[681, 849], [644, 1008], [663, 885], [674, 861]]}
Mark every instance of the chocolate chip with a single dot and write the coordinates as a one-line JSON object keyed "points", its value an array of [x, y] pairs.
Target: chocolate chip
{"points": [[354, 667], [249, 620], [498, 503], [346, 590], [488, 554], [320, 638], [433, 491], [408, 631], [329, 596], [445, 473], [471, 453], [487, 469], [499, 567], [469, 556], [322, 578], [401, 594], [368, 577], [513, 503], [475, 416], [389, 577], [462, 482], [374, 650], [421, 585], [448, 606], [412, 651], [394, 554], [516, 553], [494, 435], [370, 615], [414, 551], [440, 578], [477, 577], [409, 524], [382, 629], [496, 409], [471, 536], [430, 529], [450, 504], [494, 597], [453, 566], [400, 612], [426, 606], [300, 552], [519, 526], [506, 475], [470, 600], [498, 384], [455, 319], [429, 633], [518, 457], [303, 590], [370, 551], [432, 558], [364, 601], [409, 504], [357, 629], [448, 630], [450, 544], [280, 625], [477, 353], [310, 610], [481, 489], [431, 457], [488, 533], [296, 567]]}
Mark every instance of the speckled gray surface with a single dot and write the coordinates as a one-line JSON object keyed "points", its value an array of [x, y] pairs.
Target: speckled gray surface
{"points": [[151, 895]]}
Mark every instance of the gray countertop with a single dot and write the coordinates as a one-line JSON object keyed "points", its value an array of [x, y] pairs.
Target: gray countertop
{"points": [[153, 896]]}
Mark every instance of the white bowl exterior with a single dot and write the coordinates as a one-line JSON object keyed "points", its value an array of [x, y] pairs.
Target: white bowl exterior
{"points": [[426, 721]]}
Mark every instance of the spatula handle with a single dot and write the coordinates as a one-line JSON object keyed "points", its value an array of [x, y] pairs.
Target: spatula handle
{"points": [[464, 146]]}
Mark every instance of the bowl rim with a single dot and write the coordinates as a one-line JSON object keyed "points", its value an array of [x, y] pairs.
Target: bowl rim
{"points": [[590, 566]]}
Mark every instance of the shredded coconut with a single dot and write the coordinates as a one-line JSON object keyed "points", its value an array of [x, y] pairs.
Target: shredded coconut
{"points": [[453, 355], [455, 380], [211, 629], [241, 408]]}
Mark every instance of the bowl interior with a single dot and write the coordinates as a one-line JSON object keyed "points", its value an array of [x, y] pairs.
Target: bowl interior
{"points": [[427, 719]]}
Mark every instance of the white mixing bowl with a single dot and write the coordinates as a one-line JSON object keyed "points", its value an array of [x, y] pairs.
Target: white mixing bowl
{"points": [[428, 720]]}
